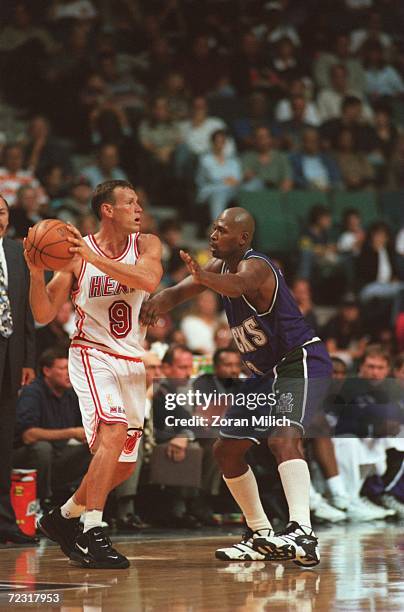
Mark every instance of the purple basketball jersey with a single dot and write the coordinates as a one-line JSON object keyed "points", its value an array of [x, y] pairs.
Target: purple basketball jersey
{"points": [[263, 339]]}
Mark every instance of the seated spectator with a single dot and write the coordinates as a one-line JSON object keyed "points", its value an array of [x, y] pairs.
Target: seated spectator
{"points": [[49, 430], [351, 239], [319, 262], [298, 87], [226, 371], [396, 170], [382, 79], [196, 134], [175, 92], [371, 419], [124, 92], [373, 33], [274, 27], [301, 291], [351, 118], [385, 138], [247, 63], [257, 116], [285, 63], [377, 273], [42, 149], [341, 55], [330, 99], [55, 335], [158, 135], [265, 167], [177, 367], [199, 326], [313, 169], [77, 203], [25, 213], [223, 338], [355, 168], [344, 334], [202, 67], [170, 234], [218, 176], [13, 176], [107, 166], [289, 134]]}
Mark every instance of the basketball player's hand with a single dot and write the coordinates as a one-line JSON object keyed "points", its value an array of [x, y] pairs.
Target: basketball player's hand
{"points": [[28, 375], [34, 270], [177, 449], [151, 311], [192, 265], [79, 245]]}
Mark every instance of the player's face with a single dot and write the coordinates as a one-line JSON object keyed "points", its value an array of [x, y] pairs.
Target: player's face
{"points": [[127, 210], [222, 240], [3, 217]]}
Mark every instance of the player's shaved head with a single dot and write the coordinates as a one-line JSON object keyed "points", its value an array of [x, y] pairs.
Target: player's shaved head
{"points": [[240, 220]]}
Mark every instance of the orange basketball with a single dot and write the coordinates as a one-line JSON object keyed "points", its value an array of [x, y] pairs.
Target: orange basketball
{"points": [[47, 246]]}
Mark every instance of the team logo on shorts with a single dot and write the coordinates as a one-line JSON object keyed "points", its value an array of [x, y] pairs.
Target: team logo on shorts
{"points": [[285, 403], [113, 409], [132, 437]]}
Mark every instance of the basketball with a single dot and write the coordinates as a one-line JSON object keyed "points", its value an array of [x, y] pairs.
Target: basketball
{"points": [[47, 245]]}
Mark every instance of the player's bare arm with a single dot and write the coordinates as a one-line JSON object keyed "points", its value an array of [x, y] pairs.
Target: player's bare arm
{"points": [[167, 299], [46, 299], [147, 272], [252, 279]]}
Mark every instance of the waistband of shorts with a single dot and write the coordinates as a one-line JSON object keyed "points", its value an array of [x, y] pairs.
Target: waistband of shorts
{"points": [[86, 347]]}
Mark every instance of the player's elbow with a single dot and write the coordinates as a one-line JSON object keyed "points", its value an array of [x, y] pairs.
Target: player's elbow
{"points": [[153, 281]]}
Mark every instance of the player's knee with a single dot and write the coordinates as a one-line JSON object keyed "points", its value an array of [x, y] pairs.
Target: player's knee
{"points": [[113, 436], [285, 449], [227, 452]]}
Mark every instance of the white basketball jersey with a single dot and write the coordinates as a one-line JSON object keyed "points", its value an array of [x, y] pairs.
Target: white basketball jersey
{"points": [[107, 312]]}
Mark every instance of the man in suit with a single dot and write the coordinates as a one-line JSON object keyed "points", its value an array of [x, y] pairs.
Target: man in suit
{"points": [[17, 358]]}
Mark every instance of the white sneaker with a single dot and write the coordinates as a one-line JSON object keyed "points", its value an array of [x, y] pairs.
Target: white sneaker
{"points": [[296, 542], [362, 509], [323, 511], [392, 503], [342, 502], [244, 551]]}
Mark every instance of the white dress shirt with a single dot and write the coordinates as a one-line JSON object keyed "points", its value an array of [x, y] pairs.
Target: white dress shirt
{"points": [[3, 262]]}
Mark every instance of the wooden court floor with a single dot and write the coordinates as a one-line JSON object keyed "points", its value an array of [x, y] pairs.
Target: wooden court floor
{"points": [[362, 568]]}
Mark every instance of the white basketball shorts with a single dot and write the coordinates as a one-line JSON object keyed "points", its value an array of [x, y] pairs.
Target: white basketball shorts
{"points": [[110, 389]]}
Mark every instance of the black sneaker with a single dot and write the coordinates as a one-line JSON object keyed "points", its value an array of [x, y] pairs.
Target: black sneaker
{"points": [[59, 529], [93, 549], [299, 541]]}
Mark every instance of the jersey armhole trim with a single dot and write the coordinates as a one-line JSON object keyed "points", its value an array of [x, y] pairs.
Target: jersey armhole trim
{"points": [[261, 314], [80, 277]]}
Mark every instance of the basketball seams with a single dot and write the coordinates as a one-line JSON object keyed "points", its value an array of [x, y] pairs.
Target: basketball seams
{"points": [[43, 254]]}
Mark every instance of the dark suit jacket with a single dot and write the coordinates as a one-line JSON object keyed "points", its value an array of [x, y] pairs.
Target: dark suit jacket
{"points": [[21, 344]]}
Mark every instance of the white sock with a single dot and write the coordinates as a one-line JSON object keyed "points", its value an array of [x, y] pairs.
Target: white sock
{"points": [[92, 519], [244, 489], [71, 510], [336, 486], [295, 477]]}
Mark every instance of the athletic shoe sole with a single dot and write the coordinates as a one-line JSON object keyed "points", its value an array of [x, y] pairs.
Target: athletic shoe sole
{"points": [[79, 560]]}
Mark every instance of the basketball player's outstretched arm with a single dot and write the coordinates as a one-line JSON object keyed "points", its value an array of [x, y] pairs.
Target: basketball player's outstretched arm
{"points": [[251, 278], [147, 272], [167, 299]]}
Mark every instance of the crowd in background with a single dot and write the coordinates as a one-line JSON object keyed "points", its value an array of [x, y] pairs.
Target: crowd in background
{"points": [[197, 102]]}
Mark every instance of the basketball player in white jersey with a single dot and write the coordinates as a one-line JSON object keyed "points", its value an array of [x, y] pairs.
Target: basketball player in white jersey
{"points": [[111, 274]]}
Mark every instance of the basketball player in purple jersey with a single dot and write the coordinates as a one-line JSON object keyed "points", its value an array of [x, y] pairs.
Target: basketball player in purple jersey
{"points": [[275, 343]]}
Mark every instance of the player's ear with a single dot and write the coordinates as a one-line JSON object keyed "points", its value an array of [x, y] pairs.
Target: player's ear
{"points": [[244, 238], [107, 209]]}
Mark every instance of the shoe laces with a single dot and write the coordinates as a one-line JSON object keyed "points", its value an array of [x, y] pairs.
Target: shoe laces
{"points": [[247, 535]]}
